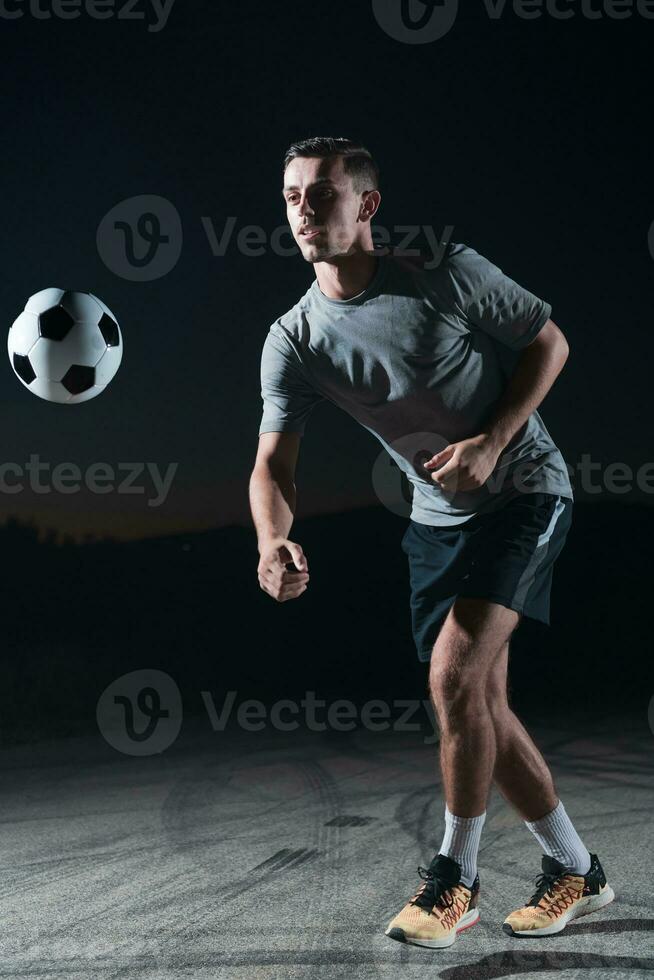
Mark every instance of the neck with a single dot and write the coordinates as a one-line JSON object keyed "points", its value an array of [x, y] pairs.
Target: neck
{"points": [[346, 276]]}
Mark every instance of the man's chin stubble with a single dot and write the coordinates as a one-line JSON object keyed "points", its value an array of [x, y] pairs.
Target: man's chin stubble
{"points": [[328, 254], [317, 256]]}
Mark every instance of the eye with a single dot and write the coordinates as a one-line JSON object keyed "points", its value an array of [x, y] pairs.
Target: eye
{"points": [[292, 198]]}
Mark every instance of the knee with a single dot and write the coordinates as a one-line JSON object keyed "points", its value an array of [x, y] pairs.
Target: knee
{"points": [[454, 684], [447, 678], [497, 693]]}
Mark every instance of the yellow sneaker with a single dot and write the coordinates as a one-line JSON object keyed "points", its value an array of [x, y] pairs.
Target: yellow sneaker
{"points": [[440, 909], [559, 897]]}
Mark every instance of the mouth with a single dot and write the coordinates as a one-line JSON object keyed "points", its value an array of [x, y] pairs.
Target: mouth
{"points": [[310, 233]]}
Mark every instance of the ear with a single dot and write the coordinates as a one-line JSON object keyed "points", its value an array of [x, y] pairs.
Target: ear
{"points": [[370, 205]]}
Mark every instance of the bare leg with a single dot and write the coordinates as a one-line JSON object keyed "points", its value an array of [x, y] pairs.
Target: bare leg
{"points": [[466, 650], [521, 774]]}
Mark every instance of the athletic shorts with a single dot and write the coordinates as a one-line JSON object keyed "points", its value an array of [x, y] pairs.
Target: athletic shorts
{"points": [[506, 556]]}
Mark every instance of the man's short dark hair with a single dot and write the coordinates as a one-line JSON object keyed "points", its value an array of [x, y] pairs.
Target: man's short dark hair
{"points": [[357, 160]]}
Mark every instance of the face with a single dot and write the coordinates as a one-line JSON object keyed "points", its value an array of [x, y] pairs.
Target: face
{"points": [[327, 216]]}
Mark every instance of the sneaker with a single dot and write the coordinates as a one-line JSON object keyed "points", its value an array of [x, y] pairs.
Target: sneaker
{"points": [[559, 897], [440, 909]]}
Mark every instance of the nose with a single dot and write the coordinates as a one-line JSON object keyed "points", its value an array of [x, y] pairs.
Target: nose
{"points": [[304, 206]]}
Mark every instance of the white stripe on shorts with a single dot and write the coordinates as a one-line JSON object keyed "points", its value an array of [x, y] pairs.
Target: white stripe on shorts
{"points": [[527, 578]]}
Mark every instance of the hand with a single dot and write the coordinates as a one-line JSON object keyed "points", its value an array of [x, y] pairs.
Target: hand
{"points": [[274, 578], [464, 465]]}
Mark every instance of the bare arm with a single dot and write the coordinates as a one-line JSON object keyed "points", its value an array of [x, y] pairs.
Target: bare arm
{"points": [[272, 503], [272, 486], [466, 465], [539, 366]]}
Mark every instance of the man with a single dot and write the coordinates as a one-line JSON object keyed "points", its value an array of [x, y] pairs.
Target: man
{"points": [[446, 366]]}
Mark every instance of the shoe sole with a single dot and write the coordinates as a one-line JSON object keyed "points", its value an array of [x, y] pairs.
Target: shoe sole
{"points": [[469, 919], [584, 907]]}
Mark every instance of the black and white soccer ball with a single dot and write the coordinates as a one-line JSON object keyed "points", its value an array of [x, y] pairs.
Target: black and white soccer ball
{"points": [[65, 346]]}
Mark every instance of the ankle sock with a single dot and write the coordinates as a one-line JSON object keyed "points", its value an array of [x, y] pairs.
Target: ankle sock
{"points": [[461, 843], [557, 836]]}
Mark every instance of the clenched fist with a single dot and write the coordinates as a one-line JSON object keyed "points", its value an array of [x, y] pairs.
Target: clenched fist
{"points": [[275, 578], [464, 465]]}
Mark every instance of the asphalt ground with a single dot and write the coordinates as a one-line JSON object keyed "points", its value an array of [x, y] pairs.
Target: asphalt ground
{"points": [[243, 854]]}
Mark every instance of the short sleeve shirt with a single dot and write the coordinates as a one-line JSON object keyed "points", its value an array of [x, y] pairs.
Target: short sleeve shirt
{"points": [[419, 358]]}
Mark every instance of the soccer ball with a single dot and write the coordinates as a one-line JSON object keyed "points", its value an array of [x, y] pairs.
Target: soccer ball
{"points": [[65, 346]]}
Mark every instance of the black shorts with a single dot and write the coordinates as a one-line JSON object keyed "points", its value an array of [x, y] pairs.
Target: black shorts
{"points": [[506, 556]]}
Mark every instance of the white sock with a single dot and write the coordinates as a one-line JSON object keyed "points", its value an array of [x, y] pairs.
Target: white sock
{"points": [[461, 843], [558, 838]]}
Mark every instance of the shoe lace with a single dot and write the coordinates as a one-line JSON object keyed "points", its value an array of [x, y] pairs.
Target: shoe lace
{"points": [[434, 891], [545, 886]]}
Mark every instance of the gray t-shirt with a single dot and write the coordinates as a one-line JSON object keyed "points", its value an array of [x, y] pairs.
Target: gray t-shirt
{"points": [[419, 358]]}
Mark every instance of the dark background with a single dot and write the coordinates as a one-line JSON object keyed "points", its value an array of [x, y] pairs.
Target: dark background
{"points": [[530, 137]]}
